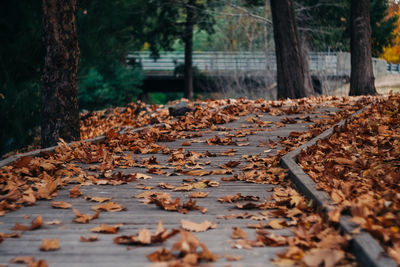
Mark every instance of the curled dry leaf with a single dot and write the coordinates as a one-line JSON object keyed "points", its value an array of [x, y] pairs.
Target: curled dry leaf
{"points": [[161, 255], [199, 194], [109, 206], [84, 218], [91, 238], [61, 205], [49, 245], [196, 172], [197, 227], [53, 222], [189, 244], [144, 187], [37, 222], [106, 229], [315, 257], [145, 237], [97, 199], [277, 224], [74, 192], [3, 236], [23, 259], [141, 176], [238, 233], [186, 143], [334, 215]]}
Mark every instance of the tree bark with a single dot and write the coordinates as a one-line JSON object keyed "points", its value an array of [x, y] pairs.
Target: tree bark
{"points": [[362, 80], [290, 66], [305, 56], [60, 113], [188, 39]]}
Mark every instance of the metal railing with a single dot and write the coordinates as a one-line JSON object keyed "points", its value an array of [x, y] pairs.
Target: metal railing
{"points": [[228, 61], [393, 68], [214, 62]]}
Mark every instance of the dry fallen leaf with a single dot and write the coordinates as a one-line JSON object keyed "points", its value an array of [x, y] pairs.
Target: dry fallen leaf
{"points": [[91, 238], [106, 229], [144, 237], [197, 227], [97, 199], [161, 255], [23, 259], [84, 218], [277, 224], [238, 233], [61, 205], [199, 194], [53, 222], [334, 215], [49, 245], [196, 172], [144, 187], [317, 256], [74, 192], [109, 206], [37, 222]]}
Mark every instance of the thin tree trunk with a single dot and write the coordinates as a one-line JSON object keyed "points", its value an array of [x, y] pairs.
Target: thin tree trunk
{"points": [[305, 55], [188, 39], [287, 48], [60, 113], [362, 80]]}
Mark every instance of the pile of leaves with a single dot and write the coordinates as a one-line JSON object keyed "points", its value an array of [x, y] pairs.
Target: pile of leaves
{"points": [[359, 166], [32, 178], [314, 242]]}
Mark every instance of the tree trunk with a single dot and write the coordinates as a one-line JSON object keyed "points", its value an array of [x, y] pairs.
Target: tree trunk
{"points": [[305, 55], [362, 80], [287, 49], [60, 113], [188, 39]]}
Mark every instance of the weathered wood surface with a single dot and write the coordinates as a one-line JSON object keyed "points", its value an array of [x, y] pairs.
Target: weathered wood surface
{"points": [[138, 215]]}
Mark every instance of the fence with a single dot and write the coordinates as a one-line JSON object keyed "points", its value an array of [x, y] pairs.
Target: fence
{"points": [[393, 68], [336, 64]]}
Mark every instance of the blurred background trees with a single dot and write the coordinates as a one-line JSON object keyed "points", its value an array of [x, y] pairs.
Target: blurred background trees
{"points": [[109, 30]]}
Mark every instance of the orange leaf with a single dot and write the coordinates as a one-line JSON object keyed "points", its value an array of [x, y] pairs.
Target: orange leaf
{"points": [[91, 238], [61, 205], [197, 227], [106, 229], [74, 192], [238, 233], [109, 206], [49, 245], [199, 194]]}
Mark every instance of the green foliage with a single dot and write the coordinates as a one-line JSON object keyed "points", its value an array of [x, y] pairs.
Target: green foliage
{"points": [[21, 59], [163, 98], [118, 89], [106, 30], [329, 24], [167, 23]]}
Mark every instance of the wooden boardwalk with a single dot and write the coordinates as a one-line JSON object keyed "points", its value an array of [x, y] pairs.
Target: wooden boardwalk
{"points": [[104, 252]]}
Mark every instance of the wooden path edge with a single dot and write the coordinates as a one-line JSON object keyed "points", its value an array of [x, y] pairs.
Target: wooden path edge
{"points": [[97, 139], [366, 249]]}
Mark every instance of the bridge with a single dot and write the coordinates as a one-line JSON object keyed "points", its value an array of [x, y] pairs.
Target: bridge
{"points": [[166, 73]]}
